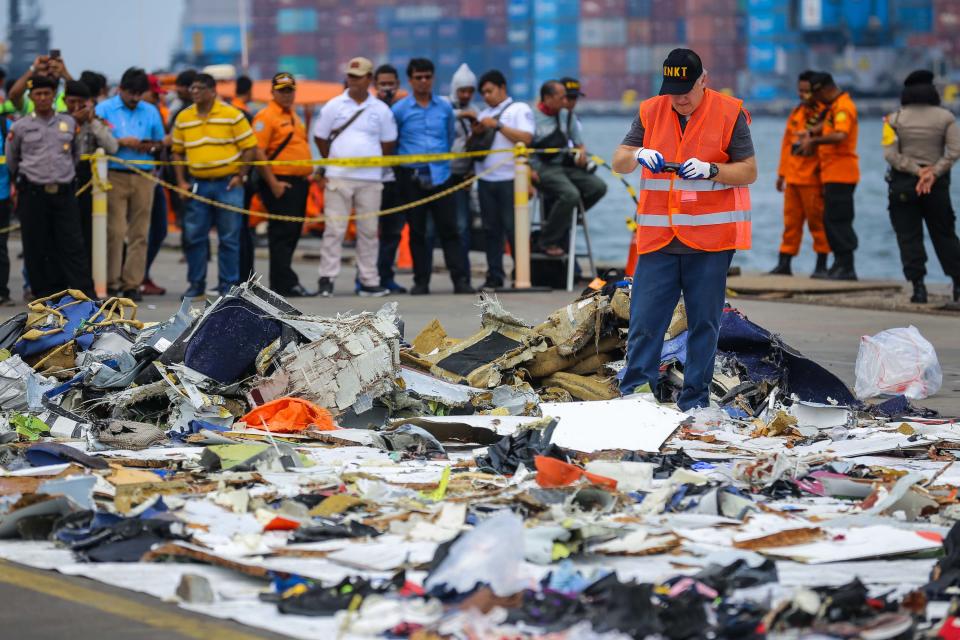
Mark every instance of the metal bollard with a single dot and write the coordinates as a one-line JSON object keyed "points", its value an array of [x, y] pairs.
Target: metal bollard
{"points": [[98, 252], [521, 218]]}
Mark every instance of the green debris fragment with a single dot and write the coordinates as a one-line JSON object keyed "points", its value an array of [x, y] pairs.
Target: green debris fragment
{"points": [[30, 427], [438, 494]]}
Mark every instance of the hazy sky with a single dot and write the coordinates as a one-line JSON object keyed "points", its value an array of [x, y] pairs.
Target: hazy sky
{"points": [[109, 35]]}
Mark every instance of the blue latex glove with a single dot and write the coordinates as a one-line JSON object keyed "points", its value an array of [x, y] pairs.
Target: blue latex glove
{"points": [[651, 159], [695, 168]]}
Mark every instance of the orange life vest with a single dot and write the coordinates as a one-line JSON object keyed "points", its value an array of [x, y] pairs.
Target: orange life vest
{"points": [[703, 214]]}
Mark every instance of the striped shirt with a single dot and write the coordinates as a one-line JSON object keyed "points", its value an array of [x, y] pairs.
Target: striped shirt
{"points": [[210, 144]]}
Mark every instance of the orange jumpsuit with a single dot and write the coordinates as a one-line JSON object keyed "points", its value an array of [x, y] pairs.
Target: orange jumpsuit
{"points": [[803, 194]]}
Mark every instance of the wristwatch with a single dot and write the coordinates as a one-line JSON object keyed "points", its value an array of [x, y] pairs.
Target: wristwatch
{"points": [[499, 125], [714, 170]]}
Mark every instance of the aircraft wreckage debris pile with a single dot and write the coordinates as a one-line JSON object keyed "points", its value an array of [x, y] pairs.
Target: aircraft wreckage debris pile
{"points": [[323, 477]]}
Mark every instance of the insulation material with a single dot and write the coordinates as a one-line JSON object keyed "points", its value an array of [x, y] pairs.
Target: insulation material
{"points": [[357, 358], [503, 342]]}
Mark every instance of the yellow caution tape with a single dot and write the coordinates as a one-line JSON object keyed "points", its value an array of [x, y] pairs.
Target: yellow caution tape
{"points": [[291, 218]]}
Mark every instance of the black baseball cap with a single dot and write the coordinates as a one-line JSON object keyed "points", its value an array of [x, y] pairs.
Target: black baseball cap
{"points": [[681, 70], [572, 87], [283, 80]]}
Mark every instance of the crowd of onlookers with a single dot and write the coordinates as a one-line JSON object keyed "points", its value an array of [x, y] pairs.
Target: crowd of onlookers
{"points": [[52, 120]]}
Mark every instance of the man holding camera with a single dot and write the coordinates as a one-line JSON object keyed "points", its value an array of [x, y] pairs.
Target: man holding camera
{"points": [[697, 155], [799, 180]]}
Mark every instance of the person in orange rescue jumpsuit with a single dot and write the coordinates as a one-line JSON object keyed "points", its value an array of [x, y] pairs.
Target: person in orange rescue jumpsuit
{"points": [[798, 178]]}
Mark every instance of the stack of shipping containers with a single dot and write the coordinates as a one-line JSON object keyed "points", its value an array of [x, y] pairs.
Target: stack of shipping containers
{"points": [[616, 47], [772, 40]]}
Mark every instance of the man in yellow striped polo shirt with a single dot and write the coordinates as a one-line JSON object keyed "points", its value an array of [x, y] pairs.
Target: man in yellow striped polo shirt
{"points": [[212, 136]]}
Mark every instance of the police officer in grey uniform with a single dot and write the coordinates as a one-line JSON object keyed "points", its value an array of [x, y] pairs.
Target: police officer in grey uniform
{"points": [[921, 143], [42, 156]]}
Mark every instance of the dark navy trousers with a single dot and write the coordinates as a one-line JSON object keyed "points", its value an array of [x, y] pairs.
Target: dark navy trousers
{"points": [[659, 280]]}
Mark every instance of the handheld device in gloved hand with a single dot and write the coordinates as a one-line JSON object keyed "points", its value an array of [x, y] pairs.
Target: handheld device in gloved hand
{"points": [[671, 167]]}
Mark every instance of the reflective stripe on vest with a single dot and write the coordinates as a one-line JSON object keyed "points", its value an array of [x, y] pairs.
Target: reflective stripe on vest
{"points": [[662, 184], [691, 220]]}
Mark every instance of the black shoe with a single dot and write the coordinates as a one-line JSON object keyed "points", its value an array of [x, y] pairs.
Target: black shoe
{"points": [[113, 293], [299, 291], [420, 290], [463, 287], [492, 285], [919, 292], [820, 271], [325, 287], [5, 301], [366, 291], [133, 294], [783, 266], [842, 273], [196, 290]]}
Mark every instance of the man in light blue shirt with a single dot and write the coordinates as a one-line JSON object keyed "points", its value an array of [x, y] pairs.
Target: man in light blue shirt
{"points": [[138, 128], [425, 124]]}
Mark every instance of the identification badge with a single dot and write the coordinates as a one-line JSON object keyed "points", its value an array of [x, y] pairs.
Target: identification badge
{"points": [[63, 126]]}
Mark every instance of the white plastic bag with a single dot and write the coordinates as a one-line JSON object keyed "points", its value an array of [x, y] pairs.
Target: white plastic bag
{"points": [[491, 553], [897, 362]]}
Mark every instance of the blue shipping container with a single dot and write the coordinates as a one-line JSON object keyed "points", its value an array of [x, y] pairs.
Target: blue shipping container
{"points": [[221, 39], [300, 66], [762, 57], [519, 10], [555, 34], [545, 10], [464, 32], [297, 20], [767, 24], [639, 8]]}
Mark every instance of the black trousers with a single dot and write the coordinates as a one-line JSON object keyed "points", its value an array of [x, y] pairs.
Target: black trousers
{"points": [[4, 254], [282, 235], [391, 229], [444, 215], [909, 212], [85, 205], [496, 211], [565, 186], [53, 248], [838, 218]]}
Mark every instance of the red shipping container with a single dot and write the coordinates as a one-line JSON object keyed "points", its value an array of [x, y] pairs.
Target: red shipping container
{"points": [[494, 8], [667, 9], [663, 31], [603, 8], [638, 31], [709, 7], [471, 9], [603, 61]]}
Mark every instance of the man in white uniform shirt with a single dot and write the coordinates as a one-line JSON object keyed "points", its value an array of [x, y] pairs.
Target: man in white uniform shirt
{"points": [[354, 124], [513, 123]]}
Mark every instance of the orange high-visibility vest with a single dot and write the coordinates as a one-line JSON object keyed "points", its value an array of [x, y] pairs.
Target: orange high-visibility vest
{"points": [[703, 214]]}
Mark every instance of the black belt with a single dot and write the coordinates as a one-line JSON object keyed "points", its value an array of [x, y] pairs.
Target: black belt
{"points": [[53, 188]]}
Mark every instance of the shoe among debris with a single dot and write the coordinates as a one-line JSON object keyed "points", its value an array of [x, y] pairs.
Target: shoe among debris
{"points": [[492, 485]]}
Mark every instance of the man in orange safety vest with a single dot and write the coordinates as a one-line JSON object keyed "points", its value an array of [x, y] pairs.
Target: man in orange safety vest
{"points": [[697, 158]]}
